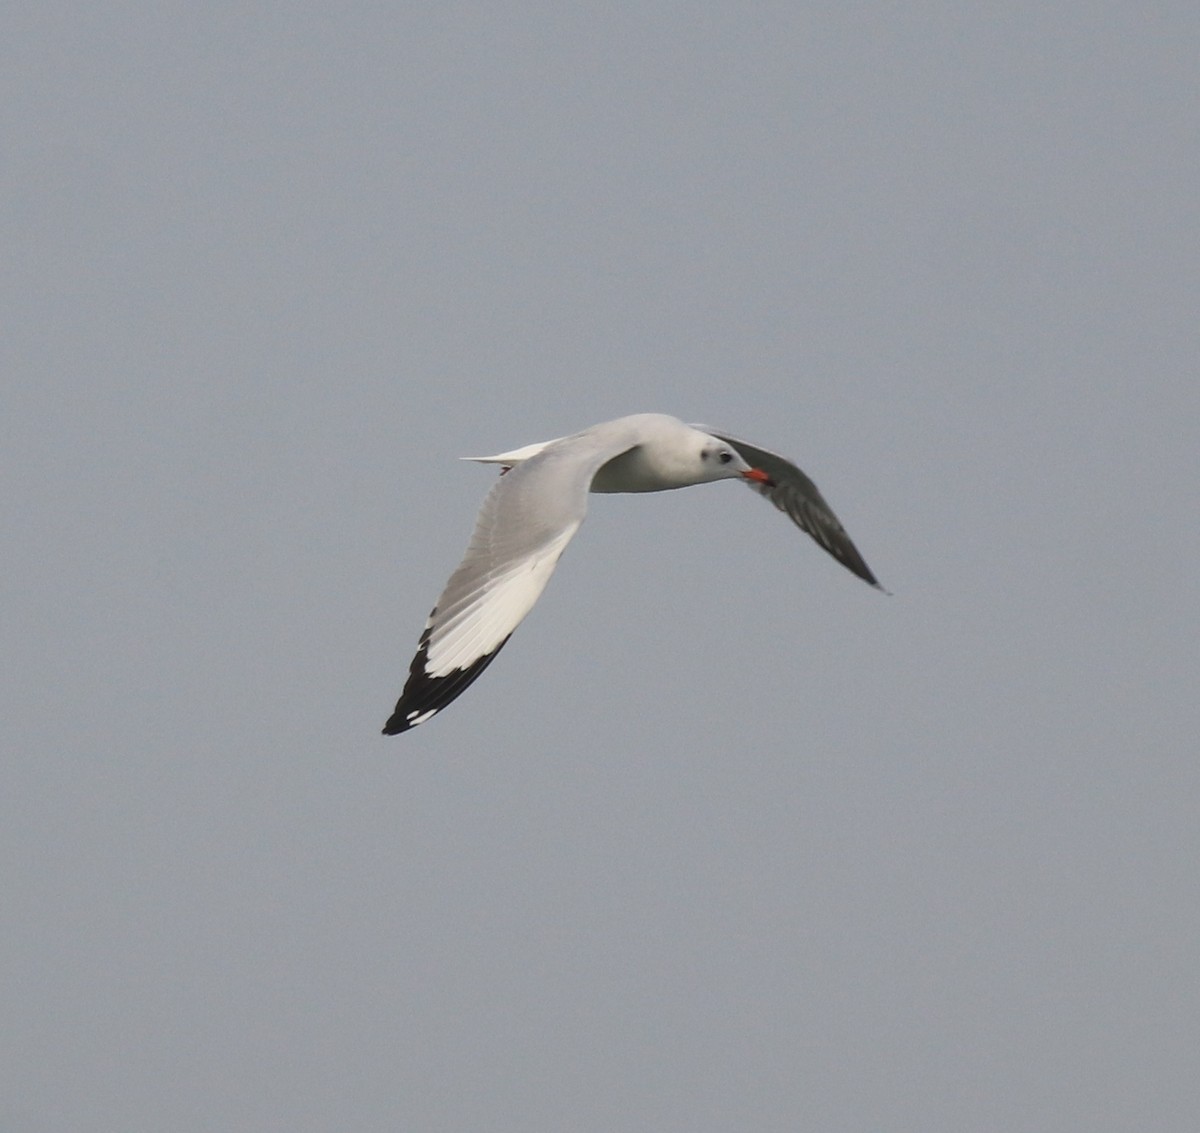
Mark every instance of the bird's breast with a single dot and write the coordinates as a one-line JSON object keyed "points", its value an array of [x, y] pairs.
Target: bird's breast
{"points": [[633, 471]]}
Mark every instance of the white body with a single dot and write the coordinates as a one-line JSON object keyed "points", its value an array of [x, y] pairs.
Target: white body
{"points": [[531, 514]]}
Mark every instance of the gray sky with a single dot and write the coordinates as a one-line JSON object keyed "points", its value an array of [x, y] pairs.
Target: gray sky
{"points": [[725, 839]]}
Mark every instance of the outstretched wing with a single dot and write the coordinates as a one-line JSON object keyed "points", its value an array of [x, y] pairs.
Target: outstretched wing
{"points": [[793, 493], [525, 524]]}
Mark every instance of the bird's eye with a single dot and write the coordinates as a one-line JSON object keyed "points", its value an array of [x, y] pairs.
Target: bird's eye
{"points": [[725, 457]]}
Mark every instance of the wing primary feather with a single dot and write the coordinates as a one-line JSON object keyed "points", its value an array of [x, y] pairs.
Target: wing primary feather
{"points": [[794, 494], [425, 695], [525, 523]]}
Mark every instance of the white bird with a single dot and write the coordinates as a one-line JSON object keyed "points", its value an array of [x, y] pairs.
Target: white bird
{"points": [[539, 502]]}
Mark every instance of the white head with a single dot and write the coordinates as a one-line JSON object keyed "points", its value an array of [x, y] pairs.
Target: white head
{"points": [[667, 454], [719, 460]]}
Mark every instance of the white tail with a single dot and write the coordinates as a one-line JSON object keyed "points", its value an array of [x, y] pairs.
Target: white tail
{"points": [[510, 458]]}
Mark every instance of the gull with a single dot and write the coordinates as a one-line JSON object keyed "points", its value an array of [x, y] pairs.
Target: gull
{"points": [[538, 504]]}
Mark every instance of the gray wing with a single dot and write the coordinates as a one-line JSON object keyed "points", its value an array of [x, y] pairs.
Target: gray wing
{"points": [[525, 524], [798, 497]]}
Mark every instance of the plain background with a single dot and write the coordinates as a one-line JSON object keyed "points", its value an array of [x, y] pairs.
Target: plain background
{"points": [[725, 840]]}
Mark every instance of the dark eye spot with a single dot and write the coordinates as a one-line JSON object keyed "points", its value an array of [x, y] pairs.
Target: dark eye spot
{"points": [[726, 457]]}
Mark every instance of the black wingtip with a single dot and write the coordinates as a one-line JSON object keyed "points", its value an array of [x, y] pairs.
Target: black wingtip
{"points": [[425, 695], [846, 553], [395, 725]]}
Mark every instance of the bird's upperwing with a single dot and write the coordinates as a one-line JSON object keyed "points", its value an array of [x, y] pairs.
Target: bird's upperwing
{"points": [[524, 525]]}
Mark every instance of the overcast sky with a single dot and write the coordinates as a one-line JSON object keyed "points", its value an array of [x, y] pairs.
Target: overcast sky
{"points": [[724, 840]]}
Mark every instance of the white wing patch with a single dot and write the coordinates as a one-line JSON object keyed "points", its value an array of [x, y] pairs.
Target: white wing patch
{"points": [[479, 622]]}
